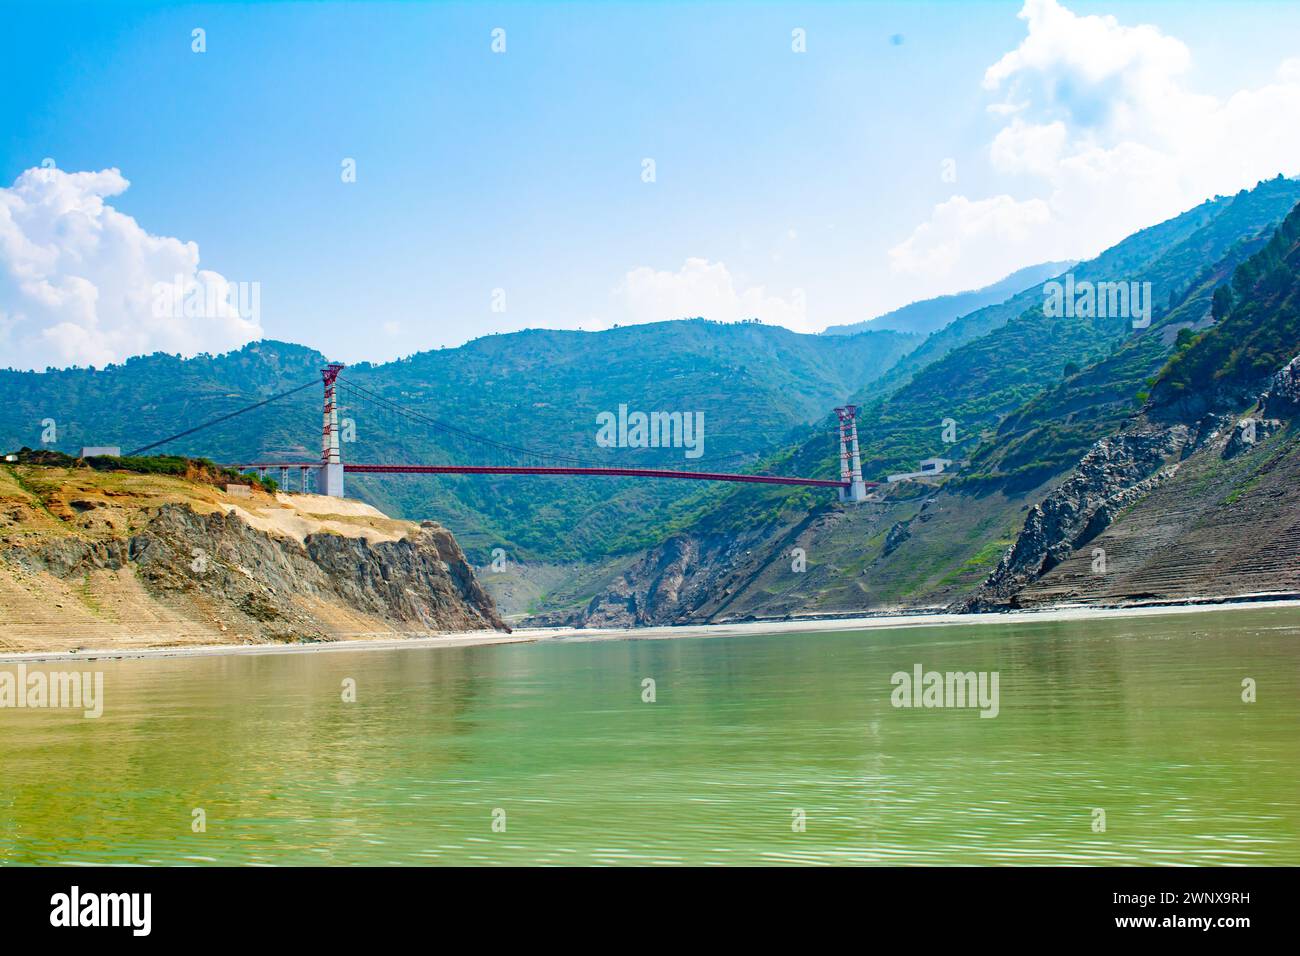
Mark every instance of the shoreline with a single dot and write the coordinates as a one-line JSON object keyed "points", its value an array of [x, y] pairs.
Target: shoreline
{"points": [[1062, 613]]}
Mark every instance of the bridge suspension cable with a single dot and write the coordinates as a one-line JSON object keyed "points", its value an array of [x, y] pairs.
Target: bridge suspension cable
{"points": [[365, 394], [219, 420], [392, 406]]}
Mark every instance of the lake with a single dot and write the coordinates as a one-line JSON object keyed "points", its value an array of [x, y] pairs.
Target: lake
{"points": [[1116, 741]]}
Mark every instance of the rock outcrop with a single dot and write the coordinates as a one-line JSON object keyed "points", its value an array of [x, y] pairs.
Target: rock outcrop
{"points": [[899, 532], [233, 572], [1247, 433], [662, 587], [1282, 397], [696, 578], [1116, 472]]}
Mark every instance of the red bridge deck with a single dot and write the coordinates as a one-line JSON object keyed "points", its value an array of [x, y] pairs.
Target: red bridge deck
{"points": [[519, 470]]}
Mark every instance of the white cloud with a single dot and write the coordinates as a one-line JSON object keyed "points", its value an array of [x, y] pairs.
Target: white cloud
{"points": [[1097, 119], [79, 280], [706, 289], [1029, 148], [964, 236], [1073, 61]]}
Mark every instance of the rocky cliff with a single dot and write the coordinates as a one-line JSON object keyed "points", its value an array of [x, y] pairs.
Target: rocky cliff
{"points": [[1205, 509], [668, 584], [1116, 472], [1220, 521], [800, 564], [101, 559]]}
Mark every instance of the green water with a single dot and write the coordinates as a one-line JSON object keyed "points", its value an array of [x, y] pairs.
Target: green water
{"points": [[1140, 717]]}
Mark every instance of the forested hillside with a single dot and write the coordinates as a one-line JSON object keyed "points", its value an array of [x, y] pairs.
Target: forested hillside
{"points": [[1027, 399], [1194, 497], [538, 389]]}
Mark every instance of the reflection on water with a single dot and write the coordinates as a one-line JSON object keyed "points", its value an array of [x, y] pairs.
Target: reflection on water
{"points": [[1141, 718]]}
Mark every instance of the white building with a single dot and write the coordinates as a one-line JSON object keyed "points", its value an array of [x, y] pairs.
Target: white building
{"points": [[929, 468]]}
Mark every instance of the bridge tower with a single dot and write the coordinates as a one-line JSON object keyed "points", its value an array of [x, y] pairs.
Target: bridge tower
{"points": [[331, 458], [850, 460]]}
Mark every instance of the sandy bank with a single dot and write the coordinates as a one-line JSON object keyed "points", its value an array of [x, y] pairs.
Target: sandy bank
{"points": [[358, 642], [386, 642]]}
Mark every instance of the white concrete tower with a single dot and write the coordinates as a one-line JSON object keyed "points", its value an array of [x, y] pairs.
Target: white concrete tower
{"points": [[844, 454], [331, 463], [850, 460]]}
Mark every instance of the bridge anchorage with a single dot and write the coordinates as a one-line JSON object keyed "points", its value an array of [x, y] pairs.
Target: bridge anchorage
{"points": [[329, 472]]}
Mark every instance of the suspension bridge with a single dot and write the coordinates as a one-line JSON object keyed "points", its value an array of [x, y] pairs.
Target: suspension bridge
{"points": [[326, 475]]}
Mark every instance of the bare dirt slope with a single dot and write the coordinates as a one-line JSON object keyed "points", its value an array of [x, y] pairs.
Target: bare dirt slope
{"points": [[116, 559]]}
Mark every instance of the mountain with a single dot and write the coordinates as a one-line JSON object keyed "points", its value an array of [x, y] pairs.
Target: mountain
{"points": [[979, 382], [1195, 496], [930, 315], [1199, 235], [539, 390], [1045, 412], [1028, 395]]}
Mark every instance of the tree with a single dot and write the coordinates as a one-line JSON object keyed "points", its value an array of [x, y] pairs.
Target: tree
{"points": [[1222, 302]]}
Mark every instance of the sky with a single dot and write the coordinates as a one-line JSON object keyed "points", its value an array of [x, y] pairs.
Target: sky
{"points": [[374, 180]]}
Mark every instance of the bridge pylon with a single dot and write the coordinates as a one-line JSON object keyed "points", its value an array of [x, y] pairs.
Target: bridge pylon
{"points": [[853, 487], [331, 458]]}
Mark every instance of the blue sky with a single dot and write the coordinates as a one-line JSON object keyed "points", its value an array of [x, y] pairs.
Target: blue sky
{"points": [[806, 188]]}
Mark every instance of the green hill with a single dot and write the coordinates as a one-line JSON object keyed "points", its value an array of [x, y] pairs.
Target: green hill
{"points": [[1010, 375], [539, 389], [1029, 396], [1258, 327]]}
